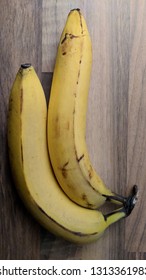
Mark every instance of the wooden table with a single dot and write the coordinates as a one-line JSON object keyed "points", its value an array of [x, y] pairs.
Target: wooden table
{"points": [[116, 119]]}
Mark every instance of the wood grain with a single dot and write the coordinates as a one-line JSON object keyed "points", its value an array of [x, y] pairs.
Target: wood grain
{"points": [[136, 156], [20, 41], [116, 118]]}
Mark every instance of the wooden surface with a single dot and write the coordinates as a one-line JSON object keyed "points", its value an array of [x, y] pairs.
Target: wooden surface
{"points": [[116, 119]]}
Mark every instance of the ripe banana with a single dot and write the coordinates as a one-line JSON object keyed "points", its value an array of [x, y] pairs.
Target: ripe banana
{"points": [[67, 116], [32, 171]]}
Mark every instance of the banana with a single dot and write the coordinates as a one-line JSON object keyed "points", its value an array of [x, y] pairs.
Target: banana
{"points": [[32, 171], [67, 117]]}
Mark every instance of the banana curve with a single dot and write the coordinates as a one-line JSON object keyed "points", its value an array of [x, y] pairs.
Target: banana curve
{"points": [[67, 116], [32, 171]]}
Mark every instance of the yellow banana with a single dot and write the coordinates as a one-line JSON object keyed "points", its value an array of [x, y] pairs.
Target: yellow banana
{"points": [[32, 171], [67, 116]]}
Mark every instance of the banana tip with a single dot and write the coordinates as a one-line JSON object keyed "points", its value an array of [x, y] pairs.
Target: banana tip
{"points": [[131, 200], [25, 65], [76, 9]]}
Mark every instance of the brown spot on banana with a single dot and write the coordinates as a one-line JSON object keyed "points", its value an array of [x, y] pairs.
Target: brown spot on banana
{"points": [[64, 173], [64, 39], [90, 172], [78, 10], [78, 77], [66, 164], [68, 36], [57, 127], [81, 21], [84, 197], [66, 43], [64, 170], [73, 36], [74, 110], [80, 158]]}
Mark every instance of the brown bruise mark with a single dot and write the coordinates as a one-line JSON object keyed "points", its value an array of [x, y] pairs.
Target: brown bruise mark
{"points": [[64, 170], [90, 172], [80, 61], [85, 199], [80, 158], [81, 24], [72, 36], [68, 35], [74, 107], [66, 164], [64, 173], [57, 127], [65, 43], [64, 39], [78, 77]]}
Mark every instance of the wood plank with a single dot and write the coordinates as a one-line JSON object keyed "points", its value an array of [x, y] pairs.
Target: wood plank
{"points": [[136, 157], [20, 42]]}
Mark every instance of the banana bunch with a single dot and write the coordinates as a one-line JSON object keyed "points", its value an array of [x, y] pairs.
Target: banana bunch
{"points": [[53, 195]]}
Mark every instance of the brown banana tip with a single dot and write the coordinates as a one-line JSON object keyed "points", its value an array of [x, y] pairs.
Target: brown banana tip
{"points": [[131, 201], [25, 65], [76, 9]]}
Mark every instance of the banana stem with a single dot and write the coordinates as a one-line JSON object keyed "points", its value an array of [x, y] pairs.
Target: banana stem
{"points": [[125, 211], [115, 198], [114, 216], [131, 200], [120, 198]]}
